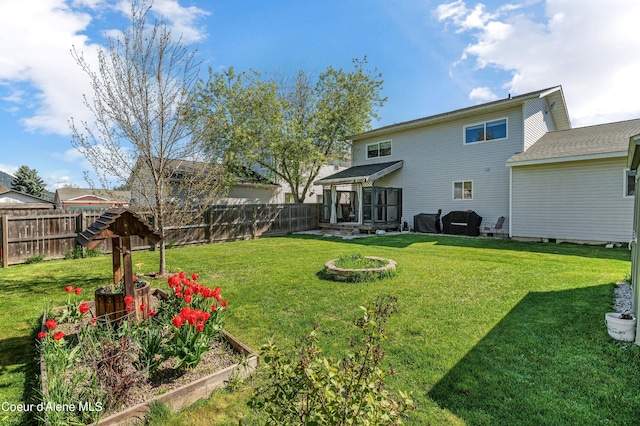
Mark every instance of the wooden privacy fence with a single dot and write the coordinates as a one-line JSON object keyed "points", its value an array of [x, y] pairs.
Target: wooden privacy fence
{"points": [[52, 233]]}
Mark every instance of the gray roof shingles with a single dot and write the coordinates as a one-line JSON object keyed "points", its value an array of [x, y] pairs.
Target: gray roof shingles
{"points": [[582, 141]]}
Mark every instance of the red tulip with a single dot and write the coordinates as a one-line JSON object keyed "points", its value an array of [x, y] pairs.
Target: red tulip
{"points": [[42, 335], [77, 290], [177, 321], [68, 289], [83, 308], [51, 324], [59, 335]]}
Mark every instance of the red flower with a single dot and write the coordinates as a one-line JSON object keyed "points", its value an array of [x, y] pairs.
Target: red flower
{"points": [[128, 299], [59, 335], [194, 277], [224, 303], [77, 290], [93, 320], [200, 326], [51, 324], [42, 335], [128, 308], [83, 308], [188, 298], [182, 274], [151, 313], [68, 289], [177, 321], [143, 307], [213, 308]]}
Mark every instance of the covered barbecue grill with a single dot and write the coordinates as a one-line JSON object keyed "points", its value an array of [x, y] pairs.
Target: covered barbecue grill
{"points": [[427, 222], [461, 223]]}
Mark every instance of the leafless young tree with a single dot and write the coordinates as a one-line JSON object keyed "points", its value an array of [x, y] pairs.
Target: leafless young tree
{"points": [[143, 135]]}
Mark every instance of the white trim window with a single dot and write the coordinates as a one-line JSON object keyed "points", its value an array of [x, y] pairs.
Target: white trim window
{"points": [[379, 149], [629, 183], [463, 190], [487, 131]]}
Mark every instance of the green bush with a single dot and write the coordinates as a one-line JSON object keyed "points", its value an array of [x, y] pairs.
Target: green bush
{"points": [[308, 388]]}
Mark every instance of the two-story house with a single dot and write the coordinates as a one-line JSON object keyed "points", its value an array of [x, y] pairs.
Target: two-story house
{"points": [[516, 158]]}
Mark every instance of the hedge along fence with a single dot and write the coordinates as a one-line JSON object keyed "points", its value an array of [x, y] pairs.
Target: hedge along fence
{"points": [[52, 234]]}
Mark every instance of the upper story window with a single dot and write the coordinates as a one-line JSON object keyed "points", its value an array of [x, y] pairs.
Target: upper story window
{"points": [[379, 149], [487, 131], [630, 183]]}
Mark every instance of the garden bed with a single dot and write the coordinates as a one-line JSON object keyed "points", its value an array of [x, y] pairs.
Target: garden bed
{"points": [[357, 268], [226, 359]]}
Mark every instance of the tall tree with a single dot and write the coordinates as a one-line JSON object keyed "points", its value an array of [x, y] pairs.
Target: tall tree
{"points": [[289, 126], [27, 180], [143, 135]]}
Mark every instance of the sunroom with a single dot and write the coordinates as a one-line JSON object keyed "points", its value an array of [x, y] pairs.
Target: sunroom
{"points": [[351, 198]]}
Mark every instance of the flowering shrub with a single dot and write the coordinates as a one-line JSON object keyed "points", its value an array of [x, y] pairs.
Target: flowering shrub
{"points": [[104, 360]]}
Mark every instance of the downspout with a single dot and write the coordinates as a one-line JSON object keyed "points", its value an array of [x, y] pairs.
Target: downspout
{"points": [[635, 258], [510, 201]]}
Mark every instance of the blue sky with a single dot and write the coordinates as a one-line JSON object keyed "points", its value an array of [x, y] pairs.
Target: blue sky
{"points": [[434, 56]]}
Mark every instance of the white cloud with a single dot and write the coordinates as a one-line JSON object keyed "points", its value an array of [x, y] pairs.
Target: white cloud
{"points": [[482, 94], [587, 47], [9, 169], [44, 82]]}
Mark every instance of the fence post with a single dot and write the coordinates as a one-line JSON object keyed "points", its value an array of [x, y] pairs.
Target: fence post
{"points": [[210, 224], [254, 223], [79, 229], [5, 241]]}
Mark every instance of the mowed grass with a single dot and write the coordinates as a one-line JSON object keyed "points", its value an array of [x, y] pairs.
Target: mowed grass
{"points": [[487, 332]]}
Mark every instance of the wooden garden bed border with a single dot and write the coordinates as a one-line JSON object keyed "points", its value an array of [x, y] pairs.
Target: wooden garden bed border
{"points": [[184, 395]]}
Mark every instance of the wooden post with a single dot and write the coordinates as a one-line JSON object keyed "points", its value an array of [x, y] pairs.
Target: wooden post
{"points": [[5, 241], [128, 266], [210, 224], [117, 261]]}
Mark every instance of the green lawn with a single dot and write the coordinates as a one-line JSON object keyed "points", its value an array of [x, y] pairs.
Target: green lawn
{"points": [[487, 332]]}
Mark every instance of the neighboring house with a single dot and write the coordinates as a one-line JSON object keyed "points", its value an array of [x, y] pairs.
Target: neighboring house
{"points": [[516, 157], [315, 194], [10, 199], [249, 187], [88, 199]]}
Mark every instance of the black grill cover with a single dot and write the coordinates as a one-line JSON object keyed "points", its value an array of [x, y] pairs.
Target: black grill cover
{"points": [[425, 222], [462, 223]]}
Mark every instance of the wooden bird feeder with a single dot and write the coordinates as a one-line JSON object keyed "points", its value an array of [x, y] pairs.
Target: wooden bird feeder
{"points": [[119, 225]]}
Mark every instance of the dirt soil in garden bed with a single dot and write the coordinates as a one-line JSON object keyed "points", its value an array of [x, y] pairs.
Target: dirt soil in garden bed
{"points": [[220, 356]]}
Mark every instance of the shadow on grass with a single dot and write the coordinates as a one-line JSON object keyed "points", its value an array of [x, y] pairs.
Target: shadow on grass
{"points": [[406, 240], [549, 361]]}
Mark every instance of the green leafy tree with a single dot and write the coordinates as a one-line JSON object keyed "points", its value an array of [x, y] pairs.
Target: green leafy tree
{"points": [[27, 180], [288, 126]]}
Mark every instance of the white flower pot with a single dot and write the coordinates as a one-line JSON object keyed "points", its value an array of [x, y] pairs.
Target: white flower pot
{"points": [[620, 329]]}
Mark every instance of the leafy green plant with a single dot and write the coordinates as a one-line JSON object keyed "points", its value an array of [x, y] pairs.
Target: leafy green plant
{"points": [[358, 261], [158, 413], [309, 388], [36, 258], [151, 348]]}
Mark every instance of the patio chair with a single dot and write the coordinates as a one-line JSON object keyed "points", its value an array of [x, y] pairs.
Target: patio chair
{"points": [[495, 229]]}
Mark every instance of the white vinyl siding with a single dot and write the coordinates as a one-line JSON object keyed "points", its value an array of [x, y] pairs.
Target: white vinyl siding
{"points": [[537, 121], [584, 205], [435, 156]]}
